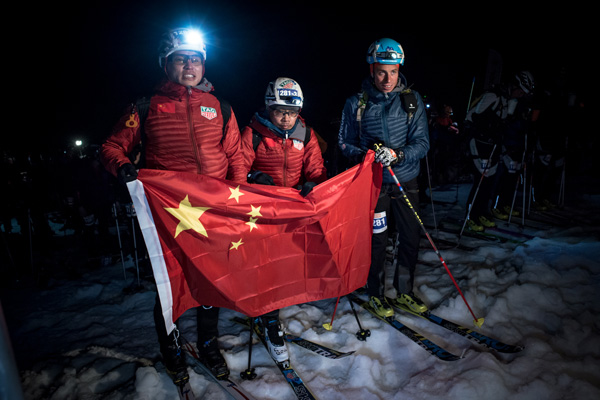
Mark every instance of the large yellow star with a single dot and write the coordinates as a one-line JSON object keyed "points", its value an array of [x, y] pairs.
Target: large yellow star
{"points": [[235, 194], [188, 216]]}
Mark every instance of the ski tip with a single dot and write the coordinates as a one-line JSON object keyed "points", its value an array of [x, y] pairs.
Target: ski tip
{"points": [[478, 322]]}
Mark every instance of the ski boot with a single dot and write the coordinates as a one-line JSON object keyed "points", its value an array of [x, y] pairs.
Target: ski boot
{"points": [[274, 338], [500, 214], [486, 222], [210, 355], [381, 306], [409, 301], [474, 226], [175, 364]]}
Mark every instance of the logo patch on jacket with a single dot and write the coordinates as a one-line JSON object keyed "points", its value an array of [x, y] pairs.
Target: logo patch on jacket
{"points": [[165, 108], [208, 112], [298, 144]]}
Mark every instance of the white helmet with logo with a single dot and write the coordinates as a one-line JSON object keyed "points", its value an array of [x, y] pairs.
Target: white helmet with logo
{"points": [[187, 39], [284, 92]]}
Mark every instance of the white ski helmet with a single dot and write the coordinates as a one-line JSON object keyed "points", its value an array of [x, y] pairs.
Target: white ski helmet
{"points": [[525, 81], [180, 39], [385, 51], [284, 92]]}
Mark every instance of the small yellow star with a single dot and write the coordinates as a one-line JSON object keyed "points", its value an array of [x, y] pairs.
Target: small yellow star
{"points": [[252, 223], [235, 245], [255, 211], [235, 194], [188, 216]]}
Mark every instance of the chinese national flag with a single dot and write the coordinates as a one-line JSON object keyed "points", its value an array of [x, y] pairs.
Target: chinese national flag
{"points": [[255, 248]]}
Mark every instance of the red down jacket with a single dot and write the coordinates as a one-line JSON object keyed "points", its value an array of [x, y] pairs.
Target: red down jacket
{"points": [[183, 132], [287, 161]]}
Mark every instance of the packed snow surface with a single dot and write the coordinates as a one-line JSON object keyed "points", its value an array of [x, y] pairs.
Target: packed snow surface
{"points": [[90, 334]]}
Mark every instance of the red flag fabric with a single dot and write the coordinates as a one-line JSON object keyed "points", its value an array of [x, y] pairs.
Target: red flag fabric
{"points": [[255, 248]]}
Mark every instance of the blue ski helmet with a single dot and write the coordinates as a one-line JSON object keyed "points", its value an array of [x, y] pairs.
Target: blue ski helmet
{"points": [[385, 51]]}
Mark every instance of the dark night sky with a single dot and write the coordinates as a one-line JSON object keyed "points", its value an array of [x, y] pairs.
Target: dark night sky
{"points": [[108, 53]]}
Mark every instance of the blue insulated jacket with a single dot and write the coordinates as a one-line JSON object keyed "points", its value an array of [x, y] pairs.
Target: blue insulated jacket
{"points": [[385, 121]]}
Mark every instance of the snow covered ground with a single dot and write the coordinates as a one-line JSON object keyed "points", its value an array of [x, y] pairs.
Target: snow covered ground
{"points": [[85, 334]]}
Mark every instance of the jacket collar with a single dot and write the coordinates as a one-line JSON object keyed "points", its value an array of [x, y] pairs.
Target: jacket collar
{"points": [[175, 90]]}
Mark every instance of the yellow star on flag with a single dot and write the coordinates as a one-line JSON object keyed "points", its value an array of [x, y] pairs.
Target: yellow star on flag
{"points": [[235, 245], [188, 216], [235, 194], [255, 211], [252, 223]]}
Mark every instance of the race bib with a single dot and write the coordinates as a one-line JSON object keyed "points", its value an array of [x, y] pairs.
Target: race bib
{"points": [[380, 222]]}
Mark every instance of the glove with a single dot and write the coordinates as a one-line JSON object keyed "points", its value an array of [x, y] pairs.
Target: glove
{"points": [[385, 156], [260, 177], [127, 173], [307, 188]]}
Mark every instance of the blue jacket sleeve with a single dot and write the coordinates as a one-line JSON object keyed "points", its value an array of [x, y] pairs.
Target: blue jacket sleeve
{"points": [[348, 136], [417, 143]]}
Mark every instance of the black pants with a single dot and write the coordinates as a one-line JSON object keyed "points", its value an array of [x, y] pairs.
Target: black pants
{"points": [[207, 324], [392, 202], [481, 194]]}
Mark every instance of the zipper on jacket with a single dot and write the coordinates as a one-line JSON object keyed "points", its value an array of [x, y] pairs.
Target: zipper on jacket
{"points": [[384, 120], [191, 129], [285, 154]]}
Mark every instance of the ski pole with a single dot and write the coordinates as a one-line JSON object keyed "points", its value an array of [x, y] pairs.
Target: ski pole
{"points": [[119, 237], [249, 373], [132, 215], [362, 334], [329, 325], [523, 178], [487, 165], [477, 321], [431, 194]]}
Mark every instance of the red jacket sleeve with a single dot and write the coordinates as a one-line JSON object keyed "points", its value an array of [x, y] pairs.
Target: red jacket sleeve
{"points": [[232, 145], [123, 139], [313, 167]]}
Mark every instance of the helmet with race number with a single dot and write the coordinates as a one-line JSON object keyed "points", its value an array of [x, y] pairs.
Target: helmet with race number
{"points": [[184, 39], [525, 81], [284, 92], [385, 51]]}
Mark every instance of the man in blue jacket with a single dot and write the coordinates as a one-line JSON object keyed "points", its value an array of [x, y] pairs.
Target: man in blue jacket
{"points": [[391, 117]]}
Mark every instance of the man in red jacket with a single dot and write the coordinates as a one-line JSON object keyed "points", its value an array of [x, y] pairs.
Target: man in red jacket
{"points": [[186, 129], [281, 150]]}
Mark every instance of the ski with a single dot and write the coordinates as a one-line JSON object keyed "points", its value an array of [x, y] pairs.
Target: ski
{"points": [[291, 376], [416, 337], [468, 333], [511, 232], [453, 228], [316, 347], [490, 234], [229, 386], [185, 391], [445, 244]]}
